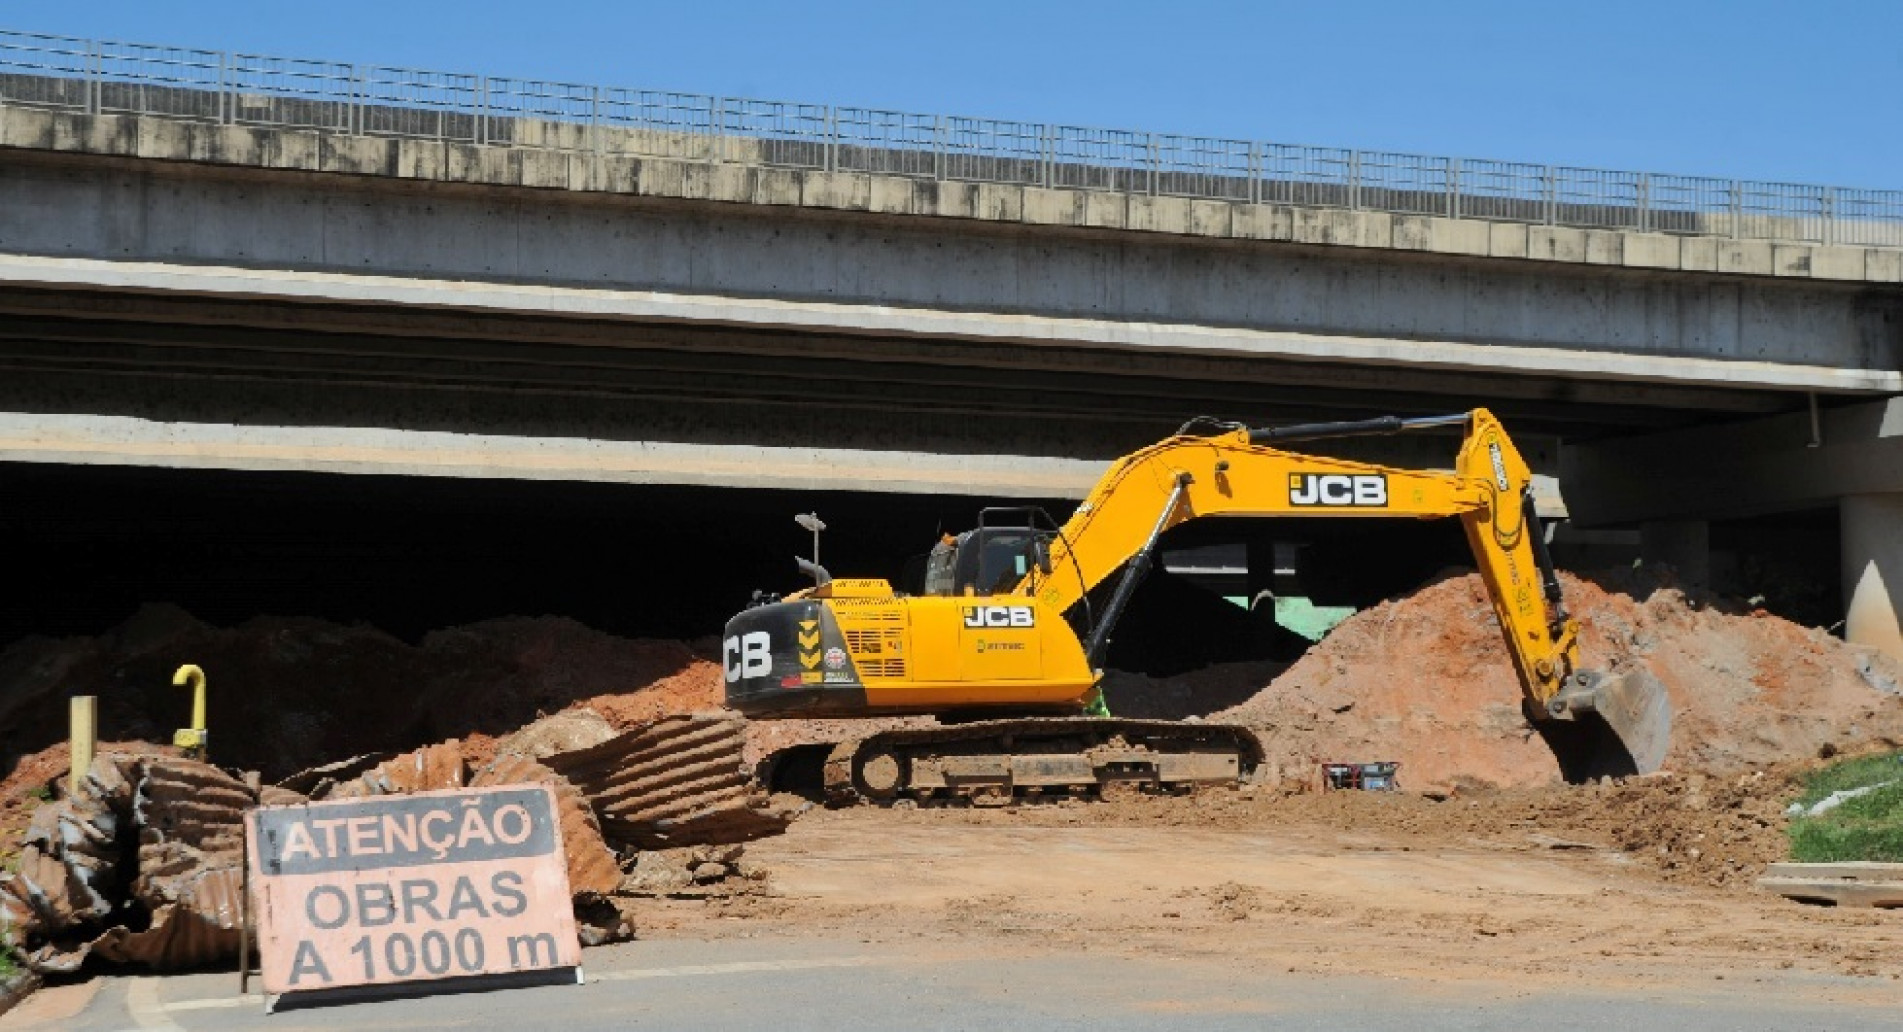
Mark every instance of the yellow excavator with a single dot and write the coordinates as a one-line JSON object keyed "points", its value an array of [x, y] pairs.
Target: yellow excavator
{"points": [[1005, 634]]}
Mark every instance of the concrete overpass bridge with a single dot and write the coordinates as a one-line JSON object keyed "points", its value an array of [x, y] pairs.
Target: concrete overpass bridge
{"points": [[222, 262]]}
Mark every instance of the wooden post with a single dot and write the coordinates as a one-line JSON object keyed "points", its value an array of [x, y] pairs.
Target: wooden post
{"points": [[82, 737]]}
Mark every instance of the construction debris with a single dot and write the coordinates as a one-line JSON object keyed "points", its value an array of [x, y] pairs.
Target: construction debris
{"points": [[691, 872], [317, 782], [591, 864], [428, 769], [676, 781], [178, 906], [1837, 885], [69, 860], [567, 731]]}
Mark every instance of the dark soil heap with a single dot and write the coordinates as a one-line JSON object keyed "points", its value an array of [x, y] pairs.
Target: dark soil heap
{"points": [[290, 693]]}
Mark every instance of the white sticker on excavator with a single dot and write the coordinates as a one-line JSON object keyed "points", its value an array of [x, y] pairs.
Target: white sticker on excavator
{"points": [[1364, 489], [747, 655], [1000, 616], [1499, 465]]}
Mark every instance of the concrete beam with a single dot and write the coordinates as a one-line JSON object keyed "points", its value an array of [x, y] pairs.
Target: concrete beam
{"points": [[77, 319], [128, 441], [894, 321], [125, 441], [636, 163], [1738, 469], [1044, 276]]}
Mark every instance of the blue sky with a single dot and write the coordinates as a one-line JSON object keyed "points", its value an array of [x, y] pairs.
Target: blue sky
{"points": [[1802, 92]]}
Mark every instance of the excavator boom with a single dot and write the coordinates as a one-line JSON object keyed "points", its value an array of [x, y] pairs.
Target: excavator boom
{"points": [[1599, 722]]}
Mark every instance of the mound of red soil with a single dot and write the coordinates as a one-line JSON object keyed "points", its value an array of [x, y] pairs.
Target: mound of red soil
{"points": [[695, 686], [1426, 680]]}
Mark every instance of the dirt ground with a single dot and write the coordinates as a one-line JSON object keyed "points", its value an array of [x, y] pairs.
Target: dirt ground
{"points": [[1546, 886]]}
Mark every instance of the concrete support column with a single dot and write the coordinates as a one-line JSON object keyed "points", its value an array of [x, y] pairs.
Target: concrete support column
{"points": [[1872, 533], [1685, 545]]}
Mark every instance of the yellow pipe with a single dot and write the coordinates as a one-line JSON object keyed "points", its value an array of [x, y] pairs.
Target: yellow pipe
{"points": [[193, 738]]}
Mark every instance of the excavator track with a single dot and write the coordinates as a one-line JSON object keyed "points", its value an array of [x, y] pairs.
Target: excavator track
{"points": [[997, 762]]}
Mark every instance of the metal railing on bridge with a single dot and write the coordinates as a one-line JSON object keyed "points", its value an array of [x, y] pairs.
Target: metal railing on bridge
{"points": [[104, 77]]}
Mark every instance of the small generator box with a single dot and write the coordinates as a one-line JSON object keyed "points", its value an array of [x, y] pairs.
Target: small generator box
{"points": [[1367, 777]]}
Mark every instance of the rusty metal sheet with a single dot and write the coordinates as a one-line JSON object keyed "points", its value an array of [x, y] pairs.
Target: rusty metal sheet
{"points": [[186, 818], [316, 782], [567, 731], [200, 929], [189, 815], [190, 818], [676, 781], [591, 864], [411, 887], [69, 870], [277, 795], [429, 769], [41, 896]]}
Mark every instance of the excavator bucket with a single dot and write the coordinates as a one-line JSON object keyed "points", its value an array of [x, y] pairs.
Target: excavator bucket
{"points": [[1614, 725]]}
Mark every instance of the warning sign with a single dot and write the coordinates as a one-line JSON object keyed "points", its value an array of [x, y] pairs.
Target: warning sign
{"points": [[408, 888]]}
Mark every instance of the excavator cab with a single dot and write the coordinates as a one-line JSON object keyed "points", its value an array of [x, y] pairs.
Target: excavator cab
{"points": [[992, 558]]}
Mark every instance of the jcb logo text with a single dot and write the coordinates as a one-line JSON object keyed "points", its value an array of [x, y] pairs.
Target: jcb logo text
{"points": [[1369, 489], [747, 655], [1000, 616]]}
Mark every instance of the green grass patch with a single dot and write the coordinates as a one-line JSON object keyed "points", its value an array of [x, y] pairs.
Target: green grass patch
{"points": [[8, 966], [1868, 827]]}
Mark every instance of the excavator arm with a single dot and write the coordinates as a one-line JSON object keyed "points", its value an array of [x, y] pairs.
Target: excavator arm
{"points": [[1597, 722]]}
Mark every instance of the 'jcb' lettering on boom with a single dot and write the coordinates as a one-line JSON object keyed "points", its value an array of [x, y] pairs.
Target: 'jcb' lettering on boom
{"points": [[1364, 489]]}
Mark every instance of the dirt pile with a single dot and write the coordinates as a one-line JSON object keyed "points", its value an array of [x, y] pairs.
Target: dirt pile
{"points": [[1693, 829], [1426, 680], [287, 694]]}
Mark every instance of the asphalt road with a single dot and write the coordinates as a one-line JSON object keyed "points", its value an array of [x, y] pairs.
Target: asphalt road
{"points": [[846, 985]]}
